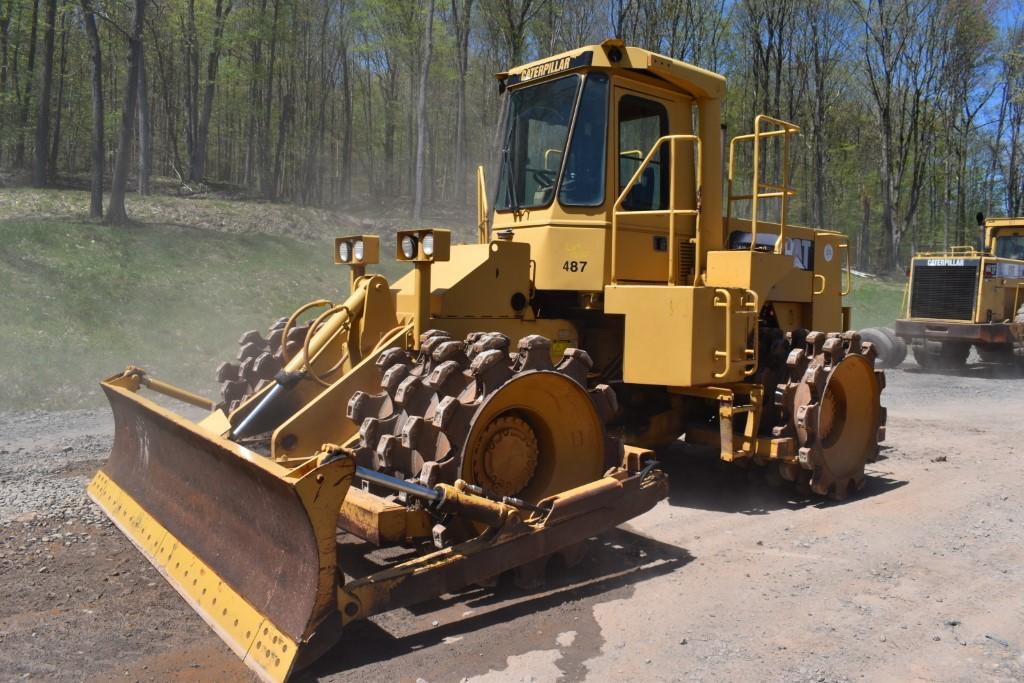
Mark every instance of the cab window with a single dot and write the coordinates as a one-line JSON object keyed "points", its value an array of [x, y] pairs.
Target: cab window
{"points": [[583, 179], [641, 123], [1010, 246]]}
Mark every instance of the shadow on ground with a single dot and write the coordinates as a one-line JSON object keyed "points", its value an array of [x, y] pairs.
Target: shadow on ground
{"points": [[698, 478], [614, 559]]}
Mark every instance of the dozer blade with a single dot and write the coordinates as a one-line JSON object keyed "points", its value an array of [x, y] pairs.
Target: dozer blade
{"points": [[249, 544]]}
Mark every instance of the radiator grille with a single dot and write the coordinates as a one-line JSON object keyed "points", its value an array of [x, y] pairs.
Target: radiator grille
{"points": [[944, 292], [687, 260]]}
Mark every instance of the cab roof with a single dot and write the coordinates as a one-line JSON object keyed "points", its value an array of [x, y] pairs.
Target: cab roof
{"points": [[1017, 222], [614, 54]]}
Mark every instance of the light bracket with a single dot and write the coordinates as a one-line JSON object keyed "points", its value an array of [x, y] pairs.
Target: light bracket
{"points": [[438, 241]]}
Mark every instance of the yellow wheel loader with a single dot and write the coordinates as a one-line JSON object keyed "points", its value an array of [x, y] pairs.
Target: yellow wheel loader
{"points": [[499, 404], [968, 297]]}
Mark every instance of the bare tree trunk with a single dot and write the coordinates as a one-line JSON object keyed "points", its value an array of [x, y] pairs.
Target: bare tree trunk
{"points": [[461, 10], [945, 204], [116, 214], [346, 148], [409, 177], [5, 42], [96, 55], [191, 83], [390, 87], [166, 72], [421, 113], [252, 126], [371, 160], [268, 177], [145, 130], [39, 173], [826, 23], [287, 110], [55, 144], [19, 149], [197, 162], [864, 258], [6, 6]]}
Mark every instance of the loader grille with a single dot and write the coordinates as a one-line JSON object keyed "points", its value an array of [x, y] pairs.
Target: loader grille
{"points": [[944, 292]]}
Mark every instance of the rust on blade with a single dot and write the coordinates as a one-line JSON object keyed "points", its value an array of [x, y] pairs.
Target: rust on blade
{"points": [[247, 522]]}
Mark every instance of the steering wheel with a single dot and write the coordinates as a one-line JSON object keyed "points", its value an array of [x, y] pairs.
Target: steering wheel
{"points": [[544, 178]]}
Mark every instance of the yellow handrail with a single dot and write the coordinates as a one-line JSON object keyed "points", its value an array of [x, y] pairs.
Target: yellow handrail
{"points": [[481, 206], [749, 355], [958, 250], [845, 246], [671, 211], [782, 191], [725, 303]]}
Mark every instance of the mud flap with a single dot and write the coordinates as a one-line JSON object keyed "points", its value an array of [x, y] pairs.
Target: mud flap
{"points": [[249, 544]]}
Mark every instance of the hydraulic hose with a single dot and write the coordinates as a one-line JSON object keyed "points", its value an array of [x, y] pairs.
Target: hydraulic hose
{"points": [[299, 366]]}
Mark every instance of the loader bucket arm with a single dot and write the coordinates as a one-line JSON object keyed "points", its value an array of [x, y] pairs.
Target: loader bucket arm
{"points": [[249, 544]]}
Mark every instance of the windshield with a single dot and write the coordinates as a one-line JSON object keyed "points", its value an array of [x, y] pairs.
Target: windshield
{"points": [[1010, 246], [533, 143]]}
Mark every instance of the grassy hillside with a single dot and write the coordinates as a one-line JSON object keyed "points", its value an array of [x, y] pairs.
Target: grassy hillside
{"points": [[82, 301], [875, 303]]}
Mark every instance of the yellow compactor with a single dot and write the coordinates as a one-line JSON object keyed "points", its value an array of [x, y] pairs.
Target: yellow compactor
{"points": [[498, 405]]}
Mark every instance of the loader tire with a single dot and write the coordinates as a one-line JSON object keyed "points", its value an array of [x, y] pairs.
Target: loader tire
{"points": [[933, 355], [1001, 354], [901, 346], [886, 349], [954, 355]]}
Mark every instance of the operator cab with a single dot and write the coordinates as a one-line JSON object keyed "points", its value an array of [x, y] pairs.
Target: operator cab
{"points": [[1006, 243], [575, 130]]}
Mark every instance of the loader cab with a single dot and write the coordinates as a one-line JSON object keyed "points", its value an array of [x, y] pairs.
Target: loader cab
{"points": [[1005, 242], [576, 128]]}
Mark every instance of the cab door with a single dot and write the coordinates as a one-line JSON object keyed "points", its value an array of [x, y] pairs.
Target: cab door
{"points": [[640, 117]]}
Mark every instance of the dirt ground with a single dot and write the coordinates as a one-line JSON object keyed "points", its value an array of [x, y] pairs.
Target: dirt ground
{"points": [[920, 577]]}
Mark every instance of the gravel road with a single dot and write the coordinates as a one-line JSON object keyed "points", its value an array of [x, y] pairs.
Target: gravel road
{"points": [[918, 578]]}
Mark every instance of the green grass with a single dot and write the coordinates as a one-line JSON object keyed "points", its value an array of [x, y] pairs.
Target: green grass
{"points": [[874, 303], [81, 301]]}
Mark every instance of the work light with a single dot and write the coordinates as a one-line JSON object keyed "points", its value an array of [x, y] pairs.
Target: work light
{"points": [[345, 251], [408, 246]]}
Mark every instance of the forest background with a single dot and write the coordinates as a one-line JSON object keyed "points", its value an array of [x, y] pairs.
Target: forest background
{"points": [[912, 111]]}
